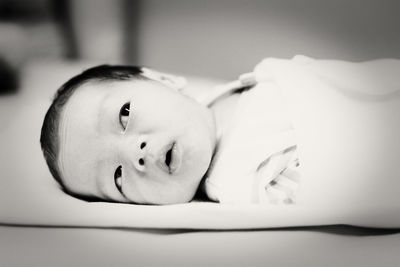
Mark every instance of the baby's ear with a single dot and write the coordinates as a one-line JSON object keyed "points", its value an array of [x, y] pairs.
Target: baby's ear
{"points": [[172, 81]]}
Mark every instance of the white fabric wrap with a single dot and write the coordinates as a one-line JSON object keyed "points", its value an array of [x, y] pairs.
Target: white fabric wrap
{"points": [[345, 121], [259, 131]]}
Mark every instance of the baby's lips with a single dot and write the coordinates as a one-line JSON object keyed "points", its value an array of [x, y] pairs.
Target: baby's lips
{"points": [[176, 158], [160, 162]]}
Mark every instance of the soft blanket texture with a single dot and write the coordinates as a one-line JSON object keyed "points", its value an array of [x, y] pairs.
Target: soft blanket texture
{"points": [[258, 145], [342, 116], [347, 126], [319, 103]]}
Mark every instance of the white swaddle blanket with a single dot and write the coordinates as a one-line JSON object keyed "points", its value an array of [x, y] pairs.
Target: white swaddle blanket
{"points": [[343, 118], [257, 147]]}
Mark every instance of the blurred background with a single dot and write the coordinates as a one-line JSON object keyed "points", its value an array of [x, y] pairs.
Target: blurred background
{"points": [[210, 38]]}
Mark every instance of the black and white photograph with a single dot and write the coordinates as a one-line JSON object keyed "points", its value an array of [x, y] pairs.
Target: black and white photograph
{"points": [[199, 133]]}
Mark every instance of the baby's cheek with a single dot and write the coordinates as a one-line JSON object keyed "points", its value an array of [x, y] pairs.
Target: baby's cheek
{"points": [[196, 161]]}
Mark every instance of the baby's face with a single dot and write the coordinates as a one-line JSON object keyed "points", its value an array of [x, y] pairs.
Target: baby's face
{"points": [[134, 141]]}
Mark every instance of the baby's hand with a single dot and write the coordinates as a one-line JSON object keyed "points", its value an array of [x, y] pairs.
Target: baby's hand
{"points": [[282, 189]]}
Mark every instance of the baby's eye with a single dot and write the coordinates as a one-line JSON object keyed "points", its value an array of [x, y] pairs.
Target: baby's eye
{"points": [[118, 178], [124, 115]]}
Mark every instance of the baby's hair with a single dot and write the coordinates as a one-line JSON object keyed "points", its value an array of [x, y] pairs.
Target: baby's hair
{"points": [[49, 138]]}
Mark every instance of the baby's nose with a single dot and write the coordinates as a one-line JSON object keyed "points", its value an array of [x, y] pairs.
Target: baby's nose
{"points": [[140, 158]]}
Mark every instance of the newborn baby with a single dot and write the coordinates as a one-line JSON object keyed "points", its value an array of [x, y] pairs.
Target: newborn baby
{"points": [[134, 135], [128, 134]]}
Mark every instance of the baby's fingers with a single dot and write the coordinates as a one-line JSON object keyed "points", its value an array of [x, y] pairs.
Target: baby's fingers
{"points": [[292, 174], [282, 190]]}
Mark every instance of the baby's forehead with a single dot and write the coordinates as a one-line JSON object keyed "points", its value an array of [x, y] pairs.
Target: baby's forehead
{"points": [[77, 137], [92, 94]]}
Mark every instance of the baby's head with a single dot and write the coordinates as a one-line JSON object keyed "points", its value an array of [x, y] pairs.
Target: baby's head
{"points": [[126, 134]]}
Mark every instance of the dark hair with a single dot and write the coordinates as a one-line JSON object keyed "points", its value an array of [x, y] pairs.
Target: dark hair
{"points": [[49, 138]]}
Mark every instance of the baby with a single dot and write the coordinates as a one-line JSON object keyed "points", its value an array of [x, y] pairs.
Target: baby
{"points": [[128, 134], [134, 135]]}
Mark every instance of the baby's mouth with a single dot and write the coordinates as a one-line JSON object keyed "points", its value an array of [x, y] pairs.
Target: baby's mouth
{"points": [[168, 156], [173, 158]]}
